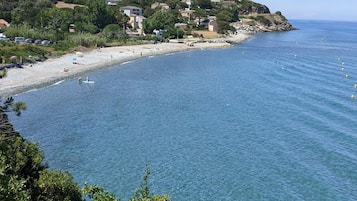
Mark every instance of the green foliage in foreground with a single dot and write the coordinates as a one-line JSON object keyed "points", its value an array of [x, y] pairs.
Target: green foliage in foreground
{"points": [[24, 176]]}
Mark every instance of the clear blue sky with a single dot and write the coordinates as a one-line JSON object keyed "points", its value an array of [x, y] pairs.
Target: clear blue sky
{"points": [[345, 10]]}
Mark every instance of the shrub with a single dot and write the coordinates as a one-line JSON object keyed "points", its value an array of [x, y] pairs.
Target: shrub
{"points": [[262, 19]]}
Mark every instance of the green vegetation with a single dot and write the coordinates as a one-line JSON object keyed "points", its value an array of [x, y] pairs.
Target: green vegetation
{"points": [[3, 73], [92, 23], [25, 52], [262, 20], [24, 176]]}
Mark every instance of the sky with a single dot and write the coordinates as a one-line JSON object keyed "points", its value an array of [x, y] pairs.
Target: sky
{"points": [[335, 10]]}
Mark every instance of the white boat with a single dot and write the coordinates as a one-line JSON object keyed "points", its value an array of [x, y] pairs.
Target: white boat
{"points": [[87, 81]]}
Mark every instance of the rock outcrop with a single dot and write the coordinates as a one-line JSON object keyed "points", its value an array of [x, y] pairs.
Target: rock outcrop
{"points": [[257, 9], [255, 23]]}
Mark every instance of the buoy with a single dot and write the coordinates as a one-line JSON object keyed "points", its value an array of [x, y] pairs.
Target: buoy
{"points": [[355, 86], [343, 63], [342, 68], [352, 96], [346, 76], [339, 58]]}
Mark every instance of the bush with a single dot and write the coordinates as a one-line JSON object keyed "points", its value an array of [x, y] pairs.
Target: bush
{"points": [[58, 186], [28, 32], [86, 40], [113, 31], [262, 19]]}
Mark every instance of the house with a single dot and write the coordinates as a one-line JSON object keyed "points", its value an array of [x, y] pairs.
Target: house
{"points": [[212, 24], [3, 23], [129, 10], [187, 13], [162, 6], [136, 22]]}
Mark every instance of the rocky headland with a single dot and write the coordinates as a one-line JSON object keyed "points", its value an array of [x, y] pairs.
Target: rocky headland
{"points": [[255, 23], [258, 18]]}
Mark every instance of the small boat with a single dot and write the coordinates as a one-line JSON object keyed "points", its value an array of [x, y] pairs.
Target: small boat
{"points": [[87, 81]]}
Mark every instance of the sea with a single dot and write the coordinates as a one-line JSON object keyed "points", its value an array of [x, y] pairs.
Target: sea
{"points": [[272, 118]]}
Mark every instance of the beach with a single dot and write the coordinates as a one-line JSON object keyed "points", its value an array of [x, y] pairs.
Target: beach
{"points": [[77, 64]]}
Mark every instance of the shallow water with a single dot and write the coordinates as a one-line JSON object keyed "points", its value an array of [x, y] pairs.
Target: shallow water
{"points": [[269, 119]]}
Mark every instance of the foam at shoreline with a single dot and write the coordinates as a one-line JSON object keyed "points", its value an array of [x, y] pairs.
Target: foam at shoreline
{"points": [[43, 74]]}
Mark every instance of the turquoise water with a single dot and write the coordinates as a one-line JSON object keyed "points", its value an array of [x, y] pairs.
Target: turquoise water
{"points": [[269, 119]]}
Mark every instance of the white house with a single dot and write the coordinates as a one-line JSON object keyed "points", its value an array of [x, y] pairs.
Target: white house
{"points": [[129, 10], [136, 22]]}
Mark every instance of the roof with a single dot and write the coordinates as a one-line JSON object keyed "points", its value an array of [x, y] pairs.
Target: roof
{"points": [[4, 23], [129, 7]]}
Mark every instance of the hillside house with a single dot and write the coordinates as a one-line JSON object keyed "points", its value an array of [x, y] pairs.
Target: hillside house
{"points": [[212, 24], [129, 10], [187, 14], [162, 6], [136, 22], [3, 23]]}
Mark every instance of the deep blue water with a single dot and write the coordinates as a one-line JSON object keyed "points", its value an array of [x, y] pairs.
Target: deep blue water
{"points": [[269, 119]]}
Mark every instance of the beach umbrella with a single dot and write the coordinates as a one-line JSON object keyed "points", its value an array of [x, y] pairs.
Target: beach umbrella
{"points": [[79, 54], [13, 57]]}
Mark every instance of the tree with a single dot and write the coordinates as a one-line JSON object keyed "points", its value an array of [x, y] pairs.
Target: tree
{"points": [[99, 13], [159, 20], [143, 193], [21, 161], [56, 20], [82, 20], [204, 4], [200, 13], [97, 193], [24, 13], [121, 18], [224, 18], [23, 176], [58, 186], [112, 31]]}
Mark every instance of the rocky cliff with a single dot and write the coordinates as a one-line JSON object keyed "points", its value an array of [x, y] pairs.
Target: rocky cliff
{"points": [[255, 23], [255, 17]]}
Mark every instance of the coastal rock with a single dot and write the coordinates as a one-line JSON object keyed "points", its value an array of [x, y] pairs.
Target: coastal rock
{"points": [[256, 23], [258, 9]]}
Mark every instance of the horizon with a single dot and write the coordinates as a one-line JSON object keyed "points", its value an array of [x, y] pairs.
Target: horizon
{"points": [[317, 10]]}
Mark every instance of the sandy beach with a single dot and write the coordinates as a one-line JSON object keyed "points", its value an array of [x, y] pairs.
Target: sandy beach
{"points": [[45, 73]]}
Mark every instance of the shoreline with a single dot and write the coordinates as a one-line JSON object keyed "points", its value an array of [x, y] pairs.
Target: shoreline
{"points": [[42, 74]]}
